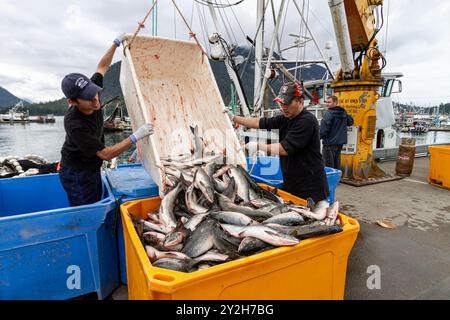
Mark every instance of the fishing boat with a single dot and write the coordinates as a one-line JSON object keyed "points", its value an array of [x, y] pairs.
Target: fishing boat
{"points": [[49, 118], [116, 121], [16, 116]]}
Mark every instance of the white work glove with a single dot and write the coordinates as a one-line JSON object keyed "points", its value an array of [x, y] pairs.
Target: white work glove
{"points": [[252, 147], [119, 40], [229, 114], [142, 132]]}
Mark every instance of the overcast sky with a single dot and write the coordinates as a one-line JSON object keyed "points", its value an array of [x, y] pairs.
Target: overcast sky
{"points": [[43, 40]]}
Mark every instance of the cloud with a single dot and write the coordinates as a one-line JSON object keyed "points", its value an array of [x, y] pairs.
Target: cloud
{"points": [[44, 40]]}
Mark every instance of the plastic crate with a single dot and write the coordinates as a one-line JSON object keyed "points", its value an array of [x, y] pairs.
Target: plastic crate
{"points": [[313, 269], [267, 170], [129, 182], [439, 171], [46, 244], [333, 178]]}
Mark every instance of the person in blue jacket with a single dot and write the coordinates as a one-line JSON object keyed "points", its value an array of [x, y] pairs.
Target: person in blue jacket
{"points": [[333, 132]]}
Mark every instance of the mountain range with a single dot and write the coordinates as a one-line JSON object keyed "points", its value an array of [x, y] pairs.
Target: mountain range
{"points": [[7, 98]]}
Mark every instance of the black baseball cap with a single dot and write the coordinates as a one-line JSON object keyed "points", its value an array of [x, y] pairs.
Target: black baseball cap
{"points": [[288, 92], [77, 85]]}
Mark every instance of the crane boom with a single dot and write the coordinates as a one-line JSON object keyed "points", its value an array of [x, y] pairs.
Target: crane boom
{"points": [[357, 84]]}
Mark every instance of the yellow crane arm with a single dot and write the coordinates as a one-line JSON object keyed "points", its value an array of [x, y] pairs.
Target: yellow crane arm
{"points": [[357, 85], [361, 22]]}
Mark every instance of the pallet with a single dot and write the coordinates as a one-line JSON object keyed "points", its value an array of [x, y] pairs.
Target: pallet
{"points": [[440, 184], [370, 181]]}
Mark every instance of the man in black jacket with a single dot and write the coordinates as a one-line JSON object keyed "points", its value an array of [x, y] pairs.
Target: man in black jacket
{"points": [[333, 132], [299, 146]]}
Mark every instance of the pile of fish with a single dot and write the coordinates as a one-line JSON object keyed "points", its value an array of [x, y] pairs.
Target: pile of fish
{"points": [[216, 213], [213, 212]]}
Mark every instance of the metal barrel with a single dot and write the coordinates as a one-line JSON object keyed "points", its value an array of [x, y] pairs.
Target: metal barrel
{"points": [[405, 157]]}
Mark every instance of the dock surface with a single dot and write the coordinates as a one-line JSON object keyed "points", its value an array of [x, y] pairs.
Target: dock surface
{"points": [[413, 258]]}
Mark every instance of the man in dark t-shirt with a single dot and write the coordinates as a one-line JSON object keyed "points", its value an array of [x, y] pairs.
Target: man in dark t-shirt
{"points": [[84, 150], [299, 147]]}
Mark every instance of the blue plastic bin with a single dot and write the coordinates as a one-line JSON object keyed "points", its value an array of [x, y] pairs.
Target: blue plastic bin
{"points": [[129, 182], [268, 170], [49, 250]]}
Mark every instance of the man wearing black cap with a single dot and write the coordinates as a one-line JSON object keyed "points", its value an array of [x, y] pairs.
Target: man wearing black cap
{"points": [[299, 146], [83, 151]]}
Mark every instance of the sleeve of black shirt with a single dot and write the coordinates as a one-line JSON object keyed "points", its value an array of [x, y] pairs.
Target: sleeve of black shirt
{"points": [[271, 123], [298, 136], [83, 139], [97, 78]]}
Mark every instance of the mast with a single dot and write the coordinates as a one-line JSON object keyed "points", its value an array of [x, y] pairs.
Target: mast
{"points": [[259, 48], [155, 20], [259, 105]]}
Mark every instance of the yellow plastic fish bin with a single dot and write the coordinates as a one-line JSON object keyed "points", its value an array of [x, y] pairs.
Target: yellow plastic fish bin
{"points": [[439, 171], [313, 269]]}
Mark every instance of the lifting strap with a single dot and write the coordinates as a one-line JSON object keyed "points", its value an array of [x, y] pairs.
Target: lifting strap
{"points": [[140, 26], [191, 33]]}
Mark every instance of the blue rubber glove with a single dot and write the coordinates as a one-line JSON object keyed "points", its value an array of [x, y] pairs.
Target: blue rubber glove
{"points": [[142, 132], [119, 40]]}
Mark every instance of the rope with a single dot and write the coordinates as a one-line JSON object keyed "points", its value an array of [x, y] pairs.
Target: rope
{"points": [[228, 21], [246, 61], [282, 29], [237, 20], [202, 23], [191, 33], [218, 5], [192, 16], [225, 26], [140, 26], [255, 159], [175, 23], [206, 23]]}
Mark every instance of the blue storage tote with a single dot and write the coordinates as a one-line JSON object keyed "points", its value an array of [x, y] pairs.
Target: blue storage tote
{"points": [[267, 170], [333, 178], [49, 250], [129, 182]]}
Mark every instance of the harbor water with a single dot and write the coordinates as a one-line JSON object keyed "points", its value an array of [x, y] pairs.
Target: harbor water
{"points": [[46, 140]]}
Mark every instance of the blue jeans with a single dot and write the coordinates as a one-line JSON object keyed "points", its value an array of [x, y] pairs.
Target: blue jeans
{"points": [[82, 186]]}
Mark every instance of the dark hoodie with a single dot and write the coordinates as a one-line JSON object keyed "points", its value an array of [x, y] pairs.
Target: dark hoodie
{"points": [[333, 128]]}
